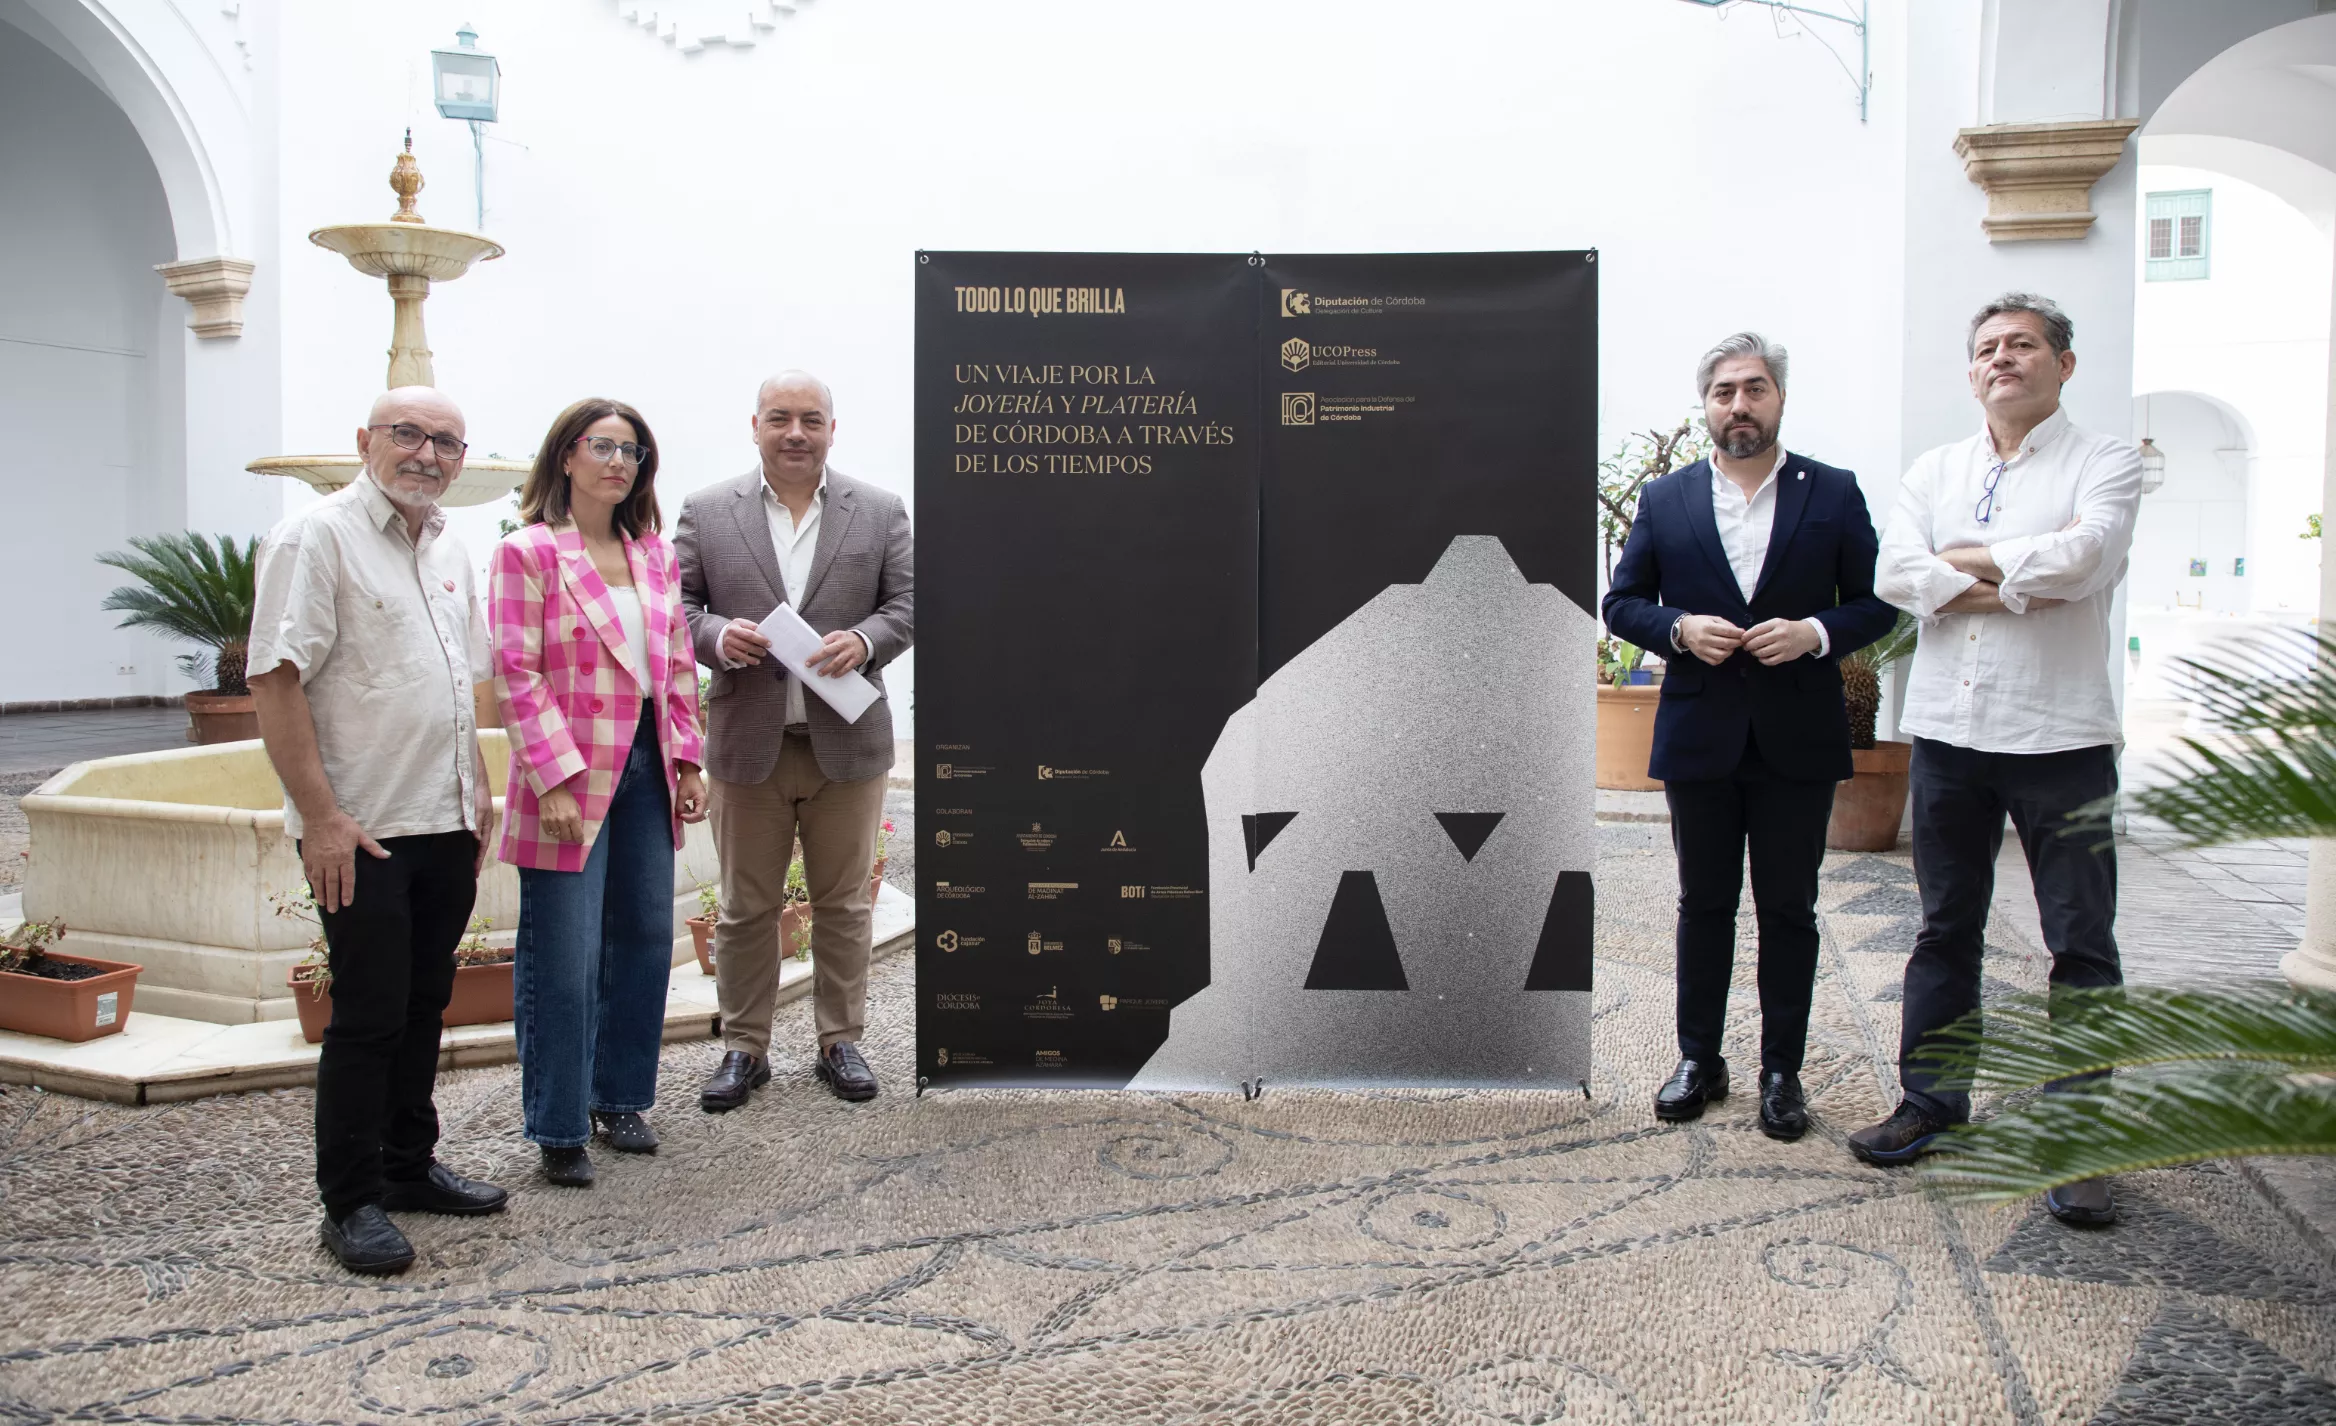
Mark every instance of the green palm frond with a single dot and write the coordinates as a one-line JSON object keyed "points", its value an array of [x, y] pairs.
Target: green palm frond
{"points": [[2272, 772], [2032, 1040], [1891, 647], [194, 590], [2227, 1112]]}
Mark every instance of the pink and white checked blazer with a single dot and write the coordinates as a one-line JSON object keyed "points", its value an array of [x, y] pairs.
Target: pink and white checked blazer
{"points": [[563, 673]]}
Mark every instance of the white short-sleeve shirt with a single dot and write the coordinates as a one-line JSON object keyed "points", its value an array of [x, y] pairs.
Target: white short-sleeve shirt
{"points": [[388, 638]]}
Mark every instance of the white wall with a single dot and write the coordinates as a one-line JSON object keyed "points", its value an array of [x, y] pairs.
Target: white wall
{"points": [[88, 372], [679, 224], [2199, 513], [2253, 335]]}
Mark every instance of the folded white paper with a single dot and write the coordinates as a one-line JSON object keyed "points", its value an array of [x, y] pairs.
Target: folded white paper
{"points": [[793, 642]]}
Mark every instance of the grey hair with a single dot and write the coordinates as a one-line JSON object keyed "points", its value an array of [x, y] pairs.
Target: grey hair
{"points": [[790, 377], [1743, 344], [2058, 330]]}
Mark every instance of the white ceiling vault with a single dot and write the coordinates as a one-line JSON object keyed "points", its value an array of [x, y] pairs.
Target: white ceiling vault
{"points": [[692, 25]]}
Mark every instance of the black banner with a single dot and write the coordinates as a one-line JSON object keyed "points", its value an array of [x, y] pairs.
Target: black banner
{"points": [[1189, 528]]}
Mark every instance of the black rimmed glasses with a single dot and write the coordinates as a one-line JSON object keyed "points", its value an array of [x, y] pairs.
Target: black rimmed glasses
{"points": [[606, 449], [1986, 507], [412, 438]]}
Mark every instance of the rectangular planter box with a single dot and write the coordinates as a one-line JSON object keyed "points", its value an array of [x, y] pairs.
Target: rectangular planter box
{"points": [[69, 1009], [482, 996]]}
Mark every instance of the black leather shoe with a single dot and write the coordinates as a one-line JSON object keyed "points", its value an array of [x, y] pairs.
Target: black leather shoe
{"points": [[846, 1072], [1784, 1110], [443, 1191], [1690, 1087], [2086, 1203], [740, 1075], [1902, 1138], [569, 1168], [367, 1242], [627, 1133]]}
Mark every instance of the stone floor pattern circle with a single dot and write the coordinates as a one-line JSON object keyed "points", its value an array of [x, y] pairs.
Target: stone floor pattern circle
{"points": [[1082, 1257]]}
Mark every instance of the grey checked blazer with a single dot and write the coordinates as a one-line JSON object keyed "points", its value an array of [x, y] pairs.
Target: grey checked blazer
{"points": [[862, 578]]}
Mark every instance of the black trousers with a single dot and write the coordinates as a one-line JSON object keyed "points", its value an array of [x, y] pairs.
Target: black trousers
{"points": [[1783, 821], [1960, 797], [391, 950]]}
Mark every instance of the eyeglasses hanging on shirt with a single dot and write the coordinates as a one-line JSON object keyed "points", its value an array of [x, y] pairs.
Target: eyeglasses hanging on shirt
{"points": [[1985, 510]]}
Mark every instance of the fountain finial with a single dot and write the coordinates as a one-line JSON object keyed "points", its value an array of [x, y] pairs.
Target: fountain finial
{"points": [[405, 180]]}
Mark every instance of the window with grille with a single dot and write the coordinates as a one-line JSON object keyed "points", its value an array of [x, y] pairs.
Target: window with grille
{"points": [[2176, 231]]}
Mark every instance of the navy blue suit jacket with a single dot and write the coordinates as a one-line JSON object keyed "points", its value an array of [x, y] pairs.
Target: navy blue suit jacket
{"points": [[1820, 565]]}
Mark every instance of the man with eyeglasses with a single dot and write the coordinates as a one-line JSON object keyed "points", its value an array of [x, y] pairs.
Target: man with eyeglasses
{"points": [[367, 644], [2008, 546]]}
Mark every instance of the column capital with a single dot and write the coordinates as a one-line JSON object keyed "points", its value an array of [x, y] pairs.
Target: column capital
{"points": [[2039, 177], [215, 287]]}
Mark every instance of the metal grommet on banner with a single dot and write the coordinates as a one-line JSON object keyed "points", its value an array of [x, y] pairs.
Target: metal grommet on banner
{"points": [[1257, 259], [923, 256], [1590, 256]]}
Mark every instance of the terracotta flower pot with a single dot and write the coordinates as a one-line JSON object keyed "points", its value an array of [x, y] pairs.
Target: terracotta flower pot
{"points": [[69, 1009], [794, 921], [701, 940], [875, 881], [1868, 808], [482, 996], [1626, 736], [221, 718]]}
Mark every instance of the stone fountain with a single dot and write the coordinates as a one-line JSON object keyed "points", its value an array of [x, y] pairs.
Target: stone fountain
{"points": [[411, 255]]}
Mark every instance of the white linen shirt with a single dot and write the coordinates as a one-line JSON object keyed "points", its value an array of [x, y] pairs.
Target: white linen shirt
{"points": [[1747, 528], [2034, 680], [795, 545], [386, 634]]}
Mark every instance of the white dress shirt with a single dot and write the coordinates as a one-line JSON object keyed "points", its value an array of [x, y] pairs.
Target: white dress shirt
{"points": [[1747, 526], [386, 634], [795, 545], [2034, 680]]}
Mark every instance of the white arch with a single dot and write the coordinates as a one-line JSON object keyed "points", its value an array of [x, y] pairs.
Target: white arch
{"points": [[149, 59]]}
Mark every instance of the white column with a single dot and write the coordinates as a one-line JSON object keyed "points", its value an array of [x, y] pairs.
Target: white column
{"points": [[2313, 963]]}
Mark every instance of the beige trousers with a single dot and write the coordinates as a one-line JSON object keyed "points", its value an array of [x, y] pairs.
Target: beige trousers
{"points": [[755, 827]]}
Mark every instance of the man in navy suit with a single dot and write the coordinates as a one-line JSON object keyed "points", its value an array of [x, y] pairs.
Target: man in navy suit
{"points": [[1753, 573]]}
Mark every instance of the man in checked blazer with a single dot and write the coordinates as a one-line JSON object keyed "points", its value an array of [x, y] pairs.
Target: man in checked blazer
{"points": [[782, 762]]}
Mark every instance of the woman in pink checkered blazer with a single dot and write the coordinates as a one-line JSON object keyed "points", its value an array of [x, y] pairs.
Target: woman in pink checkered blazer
{"points": [[598, 683]]}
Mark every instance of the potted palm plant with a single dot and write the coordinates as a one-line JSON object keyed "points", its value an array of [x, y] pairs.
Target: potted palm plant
{"points": [[201, 593], [1868, 808], [62, 997], [2238, 1069]]}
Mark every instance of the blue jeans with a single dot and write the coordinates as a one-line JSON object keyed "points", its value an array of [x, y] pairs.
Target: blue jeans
{"points": [[595, 948]]}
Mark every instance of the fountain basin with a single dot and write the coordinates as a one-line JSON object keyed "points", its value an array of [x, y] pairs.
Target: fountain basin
{"points": [[482, 481], [407, 249], [168, 859]]}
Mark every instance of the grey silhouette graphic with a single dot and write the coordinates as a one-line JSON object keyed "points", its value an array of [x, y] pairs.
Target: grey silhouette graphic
{"points": [[1400, 844]]}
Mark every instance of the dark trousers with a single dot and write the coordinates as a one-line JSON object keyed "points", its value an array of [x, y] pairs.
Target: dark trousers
{"points": [[1960, 797], [1783, 820], [391, 951]]}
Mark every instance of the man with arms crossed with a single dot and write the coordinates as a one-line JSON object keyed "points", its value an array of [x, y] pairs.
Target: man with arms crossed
{"points": [[1754, 572], [366, 644], [2008, 546], [783, 763]]}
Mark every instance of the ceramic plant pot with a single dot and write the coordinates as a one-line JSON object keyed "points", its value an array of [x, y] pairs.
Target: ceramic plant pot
{"points": [[1868, 808], [1626, 736], [482, 996], [221, 718]]}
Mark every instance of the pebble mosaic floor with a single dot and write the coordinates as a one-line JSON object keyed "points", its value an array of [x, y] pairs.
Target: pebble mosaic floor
{"points": [[1079, 1258]]}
